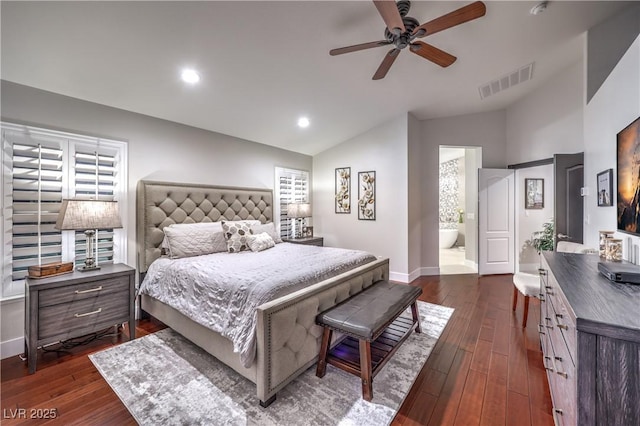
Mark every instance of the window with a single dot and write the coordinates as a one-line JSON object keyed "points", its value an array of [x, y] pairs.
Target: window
{"points": [[292, 186], [40, 168]]}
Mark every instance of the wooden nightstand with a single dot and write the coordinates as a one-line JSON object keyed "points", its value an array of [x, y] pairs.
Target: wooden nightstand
{"points": [[310, 241], [72, 305]]}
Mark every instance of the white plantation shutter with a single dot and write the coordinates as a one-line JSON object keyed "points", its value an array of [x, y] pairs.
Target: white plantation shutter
{"points": [[95, 175], [292, 186], [40, 167]]}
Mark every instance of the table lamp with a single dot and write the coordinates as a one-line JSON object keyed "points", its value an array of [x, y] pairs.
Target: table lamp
{"points": [[87, 216], [298, 211]]}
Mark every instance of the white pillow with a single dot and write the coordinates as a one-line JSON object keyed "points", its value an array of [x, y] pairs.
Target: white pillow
{"points": [[259, 242], [269, 228], [236, 233], [209, 227], [188, 242]]}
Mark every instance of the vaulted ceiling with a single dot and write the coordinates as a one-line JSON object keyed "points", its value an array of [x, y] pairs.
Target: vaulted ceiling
{"points": [[263, 64]]}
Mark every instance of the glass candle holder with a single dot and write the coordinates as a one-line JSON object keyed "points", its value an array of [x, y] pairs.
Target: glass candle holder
{"points": [[614, 250], [604, 235]]}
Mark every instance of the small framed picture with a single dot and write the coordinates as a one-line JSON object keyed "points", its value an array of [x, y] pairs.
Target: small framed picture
{"points": [[534, 193], [307, 231], [605, 188]]}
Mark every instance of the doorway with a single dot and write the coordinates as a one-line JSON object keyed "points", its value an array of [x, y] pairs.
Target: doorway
{"points": [[458, 203]]}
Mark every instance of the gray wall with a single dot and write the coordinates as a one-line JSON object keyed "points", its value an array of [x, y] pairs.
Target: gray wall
{"points": [[415, 194], [486, 130], [384, 150], [607, 43], [157, 149]]}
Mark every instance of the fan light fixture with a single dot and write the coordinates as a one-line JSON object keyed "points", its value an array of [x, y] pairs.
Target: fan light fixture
{"points": [[190, 76], [303, 122]]}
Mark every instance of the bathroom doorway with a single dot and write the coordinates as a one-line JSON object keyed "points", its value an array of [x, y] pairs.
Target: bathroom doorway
{"points": [[458, 204]]}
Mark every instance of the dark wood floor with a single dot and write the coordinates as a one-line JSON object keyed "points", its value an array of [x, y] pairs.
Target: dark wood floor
{"points": [[485, 368]]}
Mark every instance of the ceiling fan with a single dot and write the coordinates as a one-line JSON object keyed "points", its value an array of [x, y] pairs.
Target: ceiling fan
{"points": [[402, 30]]}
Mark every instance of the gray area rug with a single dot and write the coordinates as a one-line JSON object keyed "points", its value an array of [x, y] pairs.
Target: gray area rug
{"points": [[163, 379]]}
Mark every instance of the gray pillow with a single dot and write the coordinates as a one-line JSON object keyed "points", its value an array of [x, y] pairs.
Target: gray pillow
{"points": [[188, 242], [236, 233], [208, 227], [269, 228]]}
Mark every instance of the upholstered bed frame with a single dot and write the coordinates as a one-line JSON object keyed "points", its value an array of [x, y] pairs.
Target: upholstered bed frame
{"points": [[288, 341]]}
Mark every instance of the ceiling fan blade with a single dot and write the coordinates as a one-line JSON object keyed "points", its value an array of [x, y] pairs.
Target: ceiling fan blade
{"points": [[389, 12], [388, 60], [355, 48], [432, 53], [457, 17]]}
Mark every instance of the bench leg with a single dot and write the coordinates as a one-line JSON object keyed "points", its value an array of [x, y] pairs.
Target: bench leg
{"points": [[365, 370], [321, 369], [416, 316]]}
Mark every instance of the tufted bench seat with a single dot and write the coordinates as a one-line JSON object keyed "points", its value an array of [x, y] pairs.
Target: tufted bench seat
{"points": [[369, 319]]}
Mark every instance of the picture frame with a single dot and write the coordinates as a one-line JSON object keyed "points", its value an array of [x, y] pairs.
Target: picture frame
{"points": [[307, 231], [627, 184], [367, 195], [534, 193], [605, 188], [342, 197]]}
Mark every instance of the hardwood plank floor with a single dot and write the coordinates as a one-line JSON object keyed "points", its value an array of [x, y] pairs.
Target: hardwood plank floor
{"points": [[485, 369]]}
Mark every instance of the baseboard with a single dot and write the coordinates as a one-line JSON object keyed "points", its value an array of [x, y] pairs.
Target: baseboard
{"points": [[12, 347], [399, 277]]}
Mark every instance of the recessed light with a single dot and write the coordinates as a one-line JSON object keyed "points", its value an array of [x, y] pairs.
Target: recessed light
{"points": [[190, 76], [303, 122]]}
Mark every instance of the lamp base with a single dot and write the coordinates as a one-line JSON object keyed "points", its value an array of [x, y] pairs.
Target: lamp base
{"points": [[85, 268]]}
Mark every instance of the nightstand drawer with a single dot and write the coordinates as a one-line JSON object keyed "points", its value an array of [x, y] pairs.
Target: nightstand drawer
{"points": [[94, 313], [89, 290]]}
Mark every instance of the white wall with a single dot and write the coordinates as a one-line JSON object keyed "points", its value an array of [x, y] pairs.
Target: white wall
{"points": [[414, 197], [486, 130], [157, 149], [615, 105], [384, 150], [549, 120], [529, 221]]}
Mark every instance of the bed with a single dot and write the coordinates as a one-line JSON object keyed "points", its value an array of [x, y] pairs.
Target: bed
{"points": [[287, 341]]}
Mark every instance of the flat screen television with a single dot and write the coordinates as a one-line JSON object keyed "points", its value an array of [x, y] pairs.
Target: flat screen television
{"points": [[628, 188]]}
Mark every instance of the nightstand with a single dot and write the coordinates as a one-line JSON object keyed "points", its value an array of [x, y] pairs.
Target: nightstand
{"points": [[309, 241], [72, 305]]}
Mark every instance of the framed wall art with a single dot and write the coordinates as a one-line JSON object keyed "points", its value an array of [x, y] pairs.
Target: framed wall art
{"points": [[367, 195], [534, 193], [605, 188], [343, 190], [628, 184]]}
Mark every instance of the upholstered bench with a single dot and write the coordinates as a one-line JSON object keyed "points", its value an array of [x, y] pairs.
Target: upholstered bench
{"points": [[370, 319]]}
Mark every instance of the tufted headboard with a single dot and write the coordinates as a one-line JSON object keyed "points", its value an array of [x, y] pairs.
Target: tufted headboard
{"points": [[161, 204]]}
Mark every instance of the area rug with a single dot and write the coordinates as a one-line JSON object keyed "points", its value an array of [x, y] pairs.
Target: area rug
{"points": [[164, 379]]}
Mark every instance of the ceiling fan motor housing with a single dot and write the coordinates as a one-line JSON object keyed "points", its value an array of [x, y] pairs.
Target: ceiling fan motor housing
{"points": [[401, 41]]}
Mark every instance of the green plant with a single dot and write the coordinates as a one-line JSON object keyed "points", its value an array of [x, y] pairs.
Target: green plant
{"points": [[543, 240]]}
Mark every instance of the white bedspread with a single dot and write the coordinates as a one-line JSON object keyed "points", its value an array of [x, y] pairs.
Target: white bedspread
{"points": [[221, 291]]}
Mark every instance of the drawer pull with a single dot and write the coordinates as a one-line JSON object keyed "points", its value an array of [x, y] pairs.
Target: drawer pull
{"points": [[541, 329], [88, 313], [563, 327], [563, 374], [88, 291], [541, 297], [557, 412], [545, 363], [559, 358], [542, 272]]}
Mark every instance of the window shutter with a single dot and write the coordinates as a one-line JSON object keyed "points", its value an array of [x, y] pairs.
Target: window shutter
{"points": [[35, 186], [292, 186], [95, 174]]}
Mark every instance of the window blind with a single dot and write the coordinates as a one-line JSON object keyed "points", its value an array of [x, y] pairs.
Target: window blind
{"points": [[40, 167], [292, 186]]}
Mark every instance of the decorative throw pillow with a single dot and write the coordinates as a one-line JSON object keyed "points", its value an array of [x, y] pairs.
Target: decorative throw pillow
{"points": [[269, 228], [204, 227], [259, 242], [188, 242], [236, 233]]}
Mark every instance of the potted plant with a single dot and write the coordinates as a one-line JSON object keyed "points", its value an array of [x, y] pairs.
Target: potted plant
{"points": [[543, 240]]}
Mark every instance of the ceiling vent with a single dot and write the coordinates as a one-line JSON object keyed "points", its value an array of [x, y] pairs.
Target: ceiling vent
{"points": [[503, 83]]}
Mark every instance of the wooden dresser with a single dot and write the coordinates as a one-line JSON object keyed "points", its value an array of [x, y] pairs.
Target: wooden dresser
{"points": [[309, 241], [72, 305], [590, 335]]}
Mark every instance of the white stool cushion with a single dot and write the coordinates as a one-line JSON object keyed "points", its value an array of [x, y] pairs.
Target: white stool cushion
{"points": [[569, 247], [527, 284]]}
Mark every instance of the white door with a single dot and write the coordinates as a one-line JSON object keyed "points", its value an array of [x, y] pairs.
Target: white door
{"points": [[496, 221]]}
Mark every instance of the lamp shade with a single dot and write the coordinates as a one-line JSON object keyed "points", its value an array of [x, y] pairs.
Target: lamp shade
{"points": [[88, 214], [299, 210]]}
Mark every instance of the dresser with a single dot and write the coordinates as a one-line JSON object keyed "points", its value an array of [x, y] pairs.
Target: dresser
{"points": [[310, 241], [72, 305], [590, 335]]}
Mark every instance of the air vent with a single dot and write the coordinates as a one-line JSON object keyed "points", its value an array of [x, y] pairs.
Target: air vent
{"points": [[503, 83]]}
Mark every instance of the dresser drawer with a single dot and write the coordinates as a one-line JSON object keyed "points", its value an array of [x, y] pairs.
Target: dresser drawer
{"points": [[562, 381], [77, 292], [564, 322], [83, 316]]}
